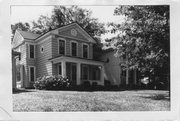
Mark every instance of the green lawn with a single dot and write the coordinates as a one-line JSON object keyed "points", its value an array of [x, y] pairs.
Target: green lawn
{"points": [[39, 100]]}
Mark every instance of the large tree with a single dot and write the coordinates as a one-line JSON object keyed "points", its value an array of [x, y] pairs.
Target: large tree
{"points": [[20, 26], [144, 39], [62, 15]]}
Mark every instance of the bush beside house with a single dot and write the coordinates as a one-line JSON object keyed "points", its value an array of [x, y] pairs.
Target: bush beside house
{"points": [[52, 83]]}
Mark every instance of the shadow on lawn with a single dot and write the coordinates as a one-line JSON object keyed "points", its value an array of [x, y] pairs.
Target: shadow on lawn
{"points": [[158, 97], [16, 91]]}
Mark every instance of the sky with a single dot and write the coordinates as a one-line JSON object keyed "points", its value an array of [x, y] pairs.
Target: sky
{"points": [[30, 13]]}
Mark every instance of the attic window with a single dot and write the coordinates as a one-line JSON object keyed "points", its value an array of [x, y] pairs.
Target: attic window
{"points": [[73, 32]]}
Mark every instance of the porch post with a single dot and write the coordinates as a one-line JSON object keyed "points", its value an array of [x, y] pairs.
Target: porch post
{"points": [[78, 82], [102, 74], [63, 68], [127, 76]]}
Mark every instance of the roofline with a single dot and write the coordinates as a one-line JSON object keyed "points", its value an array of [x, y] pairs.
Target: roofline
{"points": [[40, 36], [66, 26], [86, 32], [53, 30], [75, 57]]}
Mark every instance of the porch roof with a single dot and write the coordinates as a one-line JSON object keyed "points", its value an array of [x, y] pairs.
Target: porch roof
{"points": [[75, 59]]}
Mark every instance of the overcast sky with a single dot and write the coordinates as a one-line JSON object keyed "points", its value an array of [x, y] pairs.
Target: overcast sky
{"points": [[30, 13]]}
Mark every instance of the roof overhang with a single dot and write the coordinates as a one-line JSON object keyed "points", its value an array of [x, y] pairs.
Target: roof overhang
{"points": [[75, 60]]}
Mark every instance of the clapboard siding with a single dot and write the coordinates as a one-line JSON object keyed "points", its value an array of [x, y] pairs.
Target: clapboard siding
{"points": [[80, 49], [68, 47], [54, 47], [23, 48], [17, 40], [90, 51], [44, 67]]}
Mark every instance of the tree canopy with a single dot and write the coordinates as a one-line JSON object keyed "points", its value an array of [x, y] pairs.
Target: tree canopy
{"points": [[62, 15], [144, 38], [21, 26]]}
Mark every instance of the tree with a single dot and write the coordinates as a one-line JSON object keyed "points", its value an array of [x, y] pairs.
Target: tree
{"points": [[20, 26], [144, 39], [62, 15]]}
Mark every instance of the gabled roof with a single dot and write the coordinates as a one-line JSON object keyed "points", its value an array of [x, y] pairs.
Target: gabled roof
{"points": [[28, 35], [65, 26], [33, 36]]}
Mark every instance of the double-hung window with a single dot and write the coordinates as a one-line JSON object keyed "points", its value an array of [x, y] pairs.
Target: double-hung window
{"points": [[31, 51], [84, 72], [85, 51], [73, 48], [62, 47]]}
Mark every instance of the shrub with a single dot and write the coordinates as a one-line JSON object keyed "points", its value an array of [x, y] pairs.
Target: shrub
{"points": [[52, 83], [86, 85], [94, 85]]}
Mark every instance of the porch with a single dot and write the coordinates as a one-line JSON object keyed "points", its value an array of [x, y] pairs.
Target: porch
{"points": [[79, 70]]}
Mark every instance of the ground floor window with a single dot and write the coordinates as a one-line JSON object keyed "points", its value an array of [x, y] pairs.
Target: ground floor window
{"points": [[32, 73], [90, 72], [95, 73], [84, 72]]}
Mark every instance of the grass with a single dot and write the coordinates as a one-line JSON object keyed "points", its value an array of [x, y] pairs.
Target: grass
{"points": [[49, 101]]}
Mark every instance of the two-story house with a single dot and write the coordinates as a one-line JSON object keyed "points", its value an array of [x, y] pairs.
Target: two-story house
{"points": [[67, 51]]}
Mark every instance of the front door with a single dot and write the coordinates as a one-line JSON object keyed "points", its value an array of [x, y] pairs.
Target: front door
{"points": [[73, 73]]}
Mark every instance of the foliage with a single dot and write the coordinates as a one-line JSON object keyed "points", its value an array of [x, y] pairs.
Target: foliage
{"points": [[52, 83], [144, 39], [20, 26], [62, 15]]}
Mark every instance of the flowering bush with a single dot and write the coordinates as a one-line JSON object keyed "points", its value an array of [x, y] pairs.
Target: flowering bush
{"points": [[52, 83]]}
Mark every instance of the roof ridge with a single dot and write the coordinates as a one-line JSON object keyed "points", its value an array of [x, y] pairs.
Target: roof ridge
{"points": [[27, 31]]}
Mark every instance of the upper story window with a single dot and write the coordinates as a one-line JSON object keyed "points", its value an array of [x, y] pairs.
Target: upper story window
{"points": [[31, 51], [62, 47], [85, 51], [73, 48]]}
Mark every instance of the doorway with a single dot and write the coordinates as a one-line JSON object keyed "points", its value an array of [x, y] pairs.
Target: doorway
{"points": [[71, 71]]}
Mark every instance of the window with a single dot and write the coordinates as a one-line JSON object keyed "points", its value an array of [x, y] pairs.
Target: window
{"points": [[42, 49], [73, 48], [31, 51], [62, 47], [32, 73], [59, 69], [95, 73], [85, 51], [84, 74]]}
